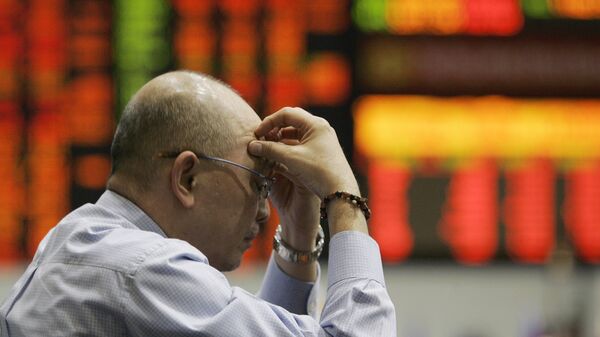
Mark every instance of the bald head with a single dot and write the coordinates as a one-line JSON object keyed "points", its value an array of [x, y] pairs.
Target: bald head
{"points": [[176, 111]]}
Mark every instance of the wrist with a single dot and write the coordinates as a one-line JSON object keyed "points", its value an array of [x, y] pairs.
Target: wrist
{"points": [[342, 211], [343, 216], [302, 272], [291, 254], [347, 185], [304, 240]]}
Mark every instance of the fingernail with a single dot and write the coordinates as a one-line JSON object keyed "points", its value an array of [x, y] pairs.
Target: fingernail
{"points": [[255, 147]]}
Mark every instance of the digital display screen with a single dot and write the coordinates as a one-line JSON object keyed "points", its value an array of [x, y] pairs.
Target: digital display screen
{"points": [[476, 126], [523, 168], [69, 67]]}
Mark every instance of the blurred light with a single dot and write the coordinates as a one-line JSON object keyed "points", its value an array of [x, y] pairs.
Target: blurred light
{"points": [[194, 39], [434, 16], [369, 15], [142, 49], [388, 185], [537, 9], [283, 91], [477, 17], [493, 17], [193, 8], [48, 133], [90, 51], [327, 16], [248, 87], [576, 9], [240, 8], [475, 127], [90, 109], [529, 211], [91, 171], [328, 79], [89, 94], [240, 43], [581, 210], [285, 38], [12, 193], [469, 221], [11, 190], [284, 48]]}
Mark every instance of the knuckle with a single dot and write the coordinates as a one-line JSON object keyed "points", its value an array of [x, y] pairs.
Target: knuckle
{"points": [[268, 121], [299, 111], [322, 122], [291, 109], [332, 131], [267, 148]]}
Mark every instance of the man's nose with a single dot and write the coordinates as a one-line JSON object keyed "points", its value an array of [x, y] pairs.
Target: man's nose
{"points": [[263, 214]]}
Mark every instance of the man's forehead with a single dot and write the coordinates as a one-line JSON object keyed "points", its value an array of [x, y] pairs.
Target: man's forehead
{"points": [[255, 162]]}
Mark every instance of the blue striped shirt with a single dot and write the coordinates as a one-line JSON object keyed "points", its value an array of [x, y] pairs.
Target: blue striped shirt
{"points": [[107, 269]]}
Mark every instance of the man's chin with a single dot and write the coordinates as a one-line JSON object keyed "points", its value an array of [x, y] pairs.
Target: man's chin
{"points": [[229, 265]]}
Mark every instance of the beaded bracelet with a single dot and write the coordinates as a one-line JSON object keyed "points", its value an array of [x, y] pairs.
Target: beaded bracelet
{"points": [[357, 201]]}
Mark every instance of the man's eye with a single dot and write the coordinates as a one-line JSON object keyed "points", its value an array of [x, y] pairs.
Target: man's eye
{"points": [[258, 184]]}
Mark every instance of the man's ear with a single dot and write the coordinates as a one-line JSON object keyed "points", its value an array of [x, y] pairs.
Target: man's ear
{"points": [[183, 180]]}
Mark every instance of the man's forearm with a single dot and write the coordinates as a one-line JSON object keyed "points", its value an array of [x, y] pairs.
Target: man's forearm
{"points": [[341, 216]]}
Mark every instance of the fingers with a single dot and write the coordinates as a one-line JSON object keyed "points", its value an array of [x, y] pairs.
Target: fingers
{"points": [[283, 172], [278, 152], [295, 117], [290, 141], [273, 135], [277, 134], [280, 168], [289, 132]]}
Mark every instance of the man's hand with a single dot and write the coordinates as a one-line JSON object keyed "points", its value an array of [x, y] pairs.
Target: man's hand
{"points": [[308, 153], [307, 150]]}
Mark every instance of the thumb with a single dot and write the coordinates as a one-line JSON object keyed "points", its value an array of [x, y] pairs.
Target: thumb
{"points": [[270, 150]]}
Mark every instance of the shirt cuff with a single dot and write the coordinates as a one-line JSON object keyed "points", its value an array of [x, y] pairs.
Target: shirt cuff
{"points": [[285, 291], [354, 254]]}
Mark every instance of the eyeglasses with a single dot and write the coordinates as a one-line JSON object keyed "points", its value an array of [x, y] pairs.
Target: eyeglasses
{"points": [[264, 187]]}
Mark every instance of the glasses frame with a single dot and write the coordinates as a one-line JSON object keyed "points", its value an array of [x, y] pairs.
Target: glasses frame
{"points": [[264, 189]]}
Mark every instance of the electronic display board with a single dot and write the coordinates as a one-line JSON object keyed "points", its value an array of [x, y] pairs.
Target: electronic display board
{"points": [[477, 127], [540, 150], [69, 66]]}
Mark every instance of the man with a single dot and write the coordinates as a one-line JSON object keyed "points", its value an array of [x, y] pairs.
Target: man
{"points": [[192, 167]]}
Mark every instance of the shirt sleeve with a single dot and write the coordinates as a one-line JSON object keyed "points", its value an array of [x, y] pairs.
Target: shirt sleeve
{"points": [[293, 295], [357, 302], [175, 292]]}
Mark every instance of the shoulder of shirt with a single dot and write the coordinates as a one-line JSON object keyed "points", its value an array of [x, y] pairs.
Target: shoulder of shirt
{"points": [[96, 237]]}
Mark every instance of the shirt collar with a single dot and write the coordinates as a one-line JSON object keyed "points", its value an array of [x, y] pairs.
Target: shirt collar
{"points": [[130, 211]]}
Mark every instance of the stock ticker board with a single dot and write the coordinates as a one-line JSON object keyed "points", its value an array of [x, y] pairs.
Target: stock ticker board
{"points": [[474, 125]]}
